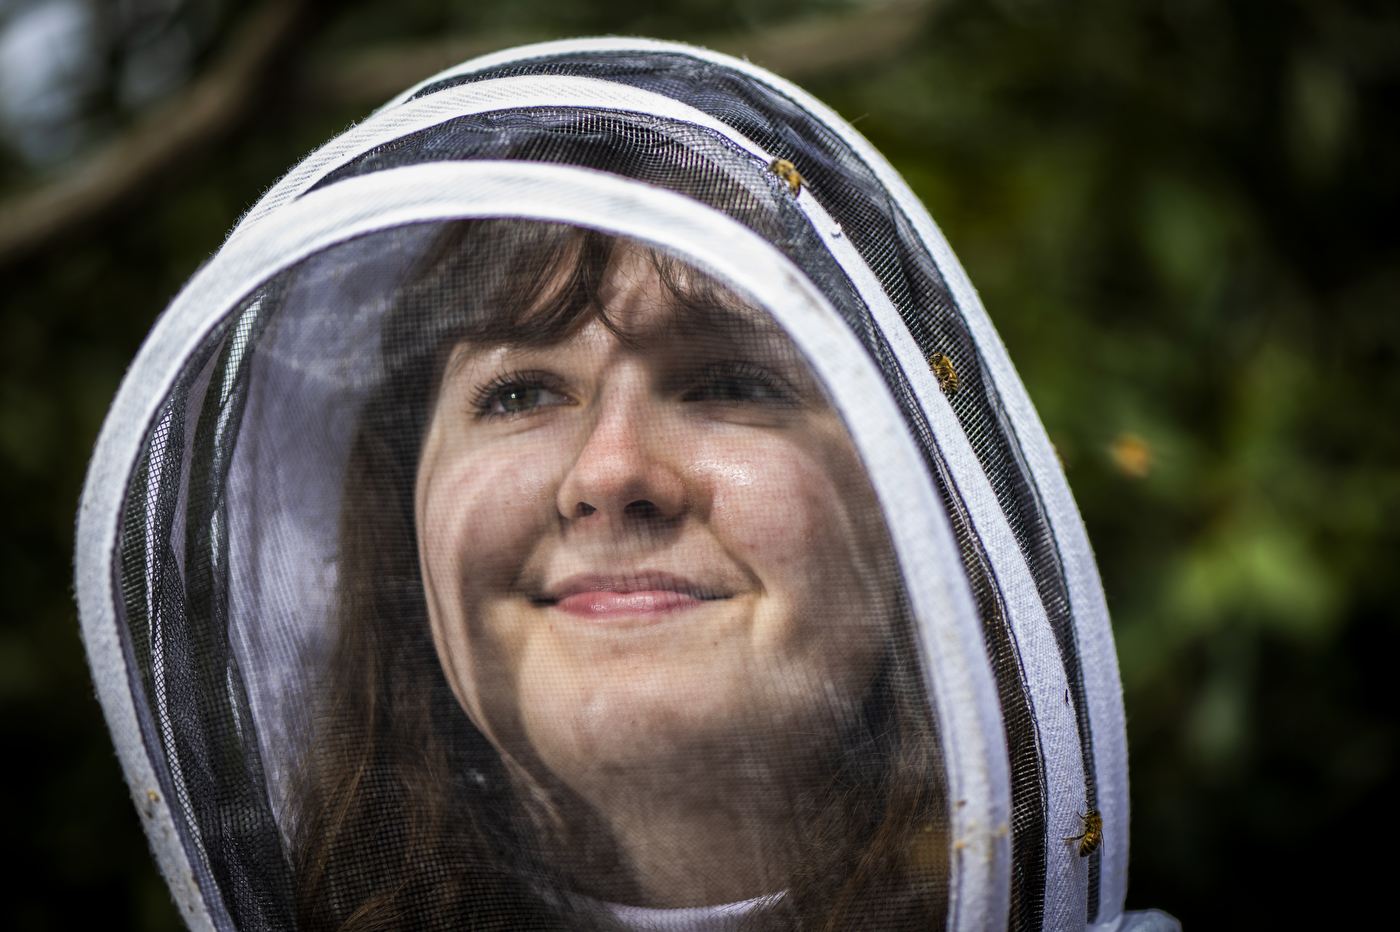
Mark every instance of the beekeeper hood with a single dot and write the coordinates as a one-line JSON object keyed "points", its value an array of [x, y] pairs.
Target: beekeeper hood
{"points": [[589, 494]]}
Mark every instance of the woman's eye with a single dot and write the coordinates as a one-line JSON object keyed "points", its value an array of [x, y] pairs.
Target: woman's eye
{"points": [[739, 386], [520, 398]]}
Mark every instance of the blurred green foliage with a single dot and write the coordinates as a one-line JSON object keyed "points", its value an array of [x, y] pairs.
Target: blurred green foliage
{"points": [[1181, 215]]}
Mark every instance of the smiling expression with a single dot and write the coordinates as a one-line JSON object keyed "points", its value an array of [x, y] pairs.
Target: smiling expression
{"points": [[650, 550]]}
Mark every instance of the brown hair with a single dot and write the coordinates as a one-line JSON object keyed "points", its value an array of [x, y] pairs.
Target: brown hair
{"points": [[403, 815]]}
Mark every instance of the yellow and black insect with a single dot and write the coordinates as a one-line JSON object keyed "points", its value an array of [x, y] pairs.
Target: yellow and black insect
{"points": [[1092, 837], [788, 172], [943, 370]]}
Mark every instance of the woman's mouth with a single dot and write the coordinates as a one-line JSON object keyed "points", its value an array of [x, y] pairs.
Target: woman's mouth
{"points": [[605, 598], [605, 604]]}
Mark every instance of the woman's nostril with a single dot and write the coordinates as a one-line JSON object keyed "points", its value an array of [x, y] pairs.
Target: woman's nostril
{"points": [[641, 509]]}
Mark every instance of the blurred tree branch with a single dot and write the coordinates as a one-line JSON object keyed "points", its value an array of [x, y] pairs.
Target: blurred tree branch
{"points": [[827, 44], [222, 100], [793, 50], [209, 109]]}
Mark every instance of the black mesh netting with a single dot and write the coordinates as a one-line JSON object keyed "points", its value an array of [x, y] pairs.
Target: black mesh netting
{"points": [[446, 844], [693, 161], [172, 572], [397, 811], [885, 239]]}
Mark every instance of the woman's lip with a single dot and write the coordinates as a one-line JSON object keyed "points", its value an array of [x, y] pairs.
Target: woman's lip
{"points": [[647, 593], [614, 604]]}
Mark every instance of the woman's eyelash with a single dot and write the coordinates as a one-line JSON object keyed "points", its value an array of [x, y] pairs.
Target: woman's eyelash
{"points": [[730, 381], [737, 381], [516, 393]]}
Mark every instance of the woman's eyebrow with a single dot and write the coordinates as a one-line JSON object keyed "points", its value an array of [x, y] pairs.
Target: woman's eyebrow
{"points": [[468, 353], [459, 357], [726, 323]]}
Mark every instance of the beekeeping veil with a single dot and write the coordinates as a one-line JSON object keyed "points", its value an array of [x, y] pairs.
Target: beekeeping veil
{"points": [[259, 634]]}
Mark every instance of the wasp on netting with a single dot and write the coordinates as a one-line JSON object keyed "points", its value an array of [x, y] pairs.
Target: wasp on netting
{"points": [[943, 370], [1092, 837], [788, 172]]}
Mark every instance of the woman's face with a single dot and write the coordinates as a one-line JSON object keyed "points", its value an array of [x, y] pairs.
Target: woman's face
{"points": [[654, 556]]}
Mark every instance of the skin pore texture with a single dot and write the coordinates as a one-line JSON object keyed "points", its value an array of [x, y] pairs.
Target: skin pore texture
{"points": [[658, 582]]}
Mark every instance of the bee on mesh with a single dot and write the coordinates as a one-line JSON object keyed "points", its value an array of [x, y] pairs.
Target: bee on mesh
{"points": [[943, 370], [787, 172]]}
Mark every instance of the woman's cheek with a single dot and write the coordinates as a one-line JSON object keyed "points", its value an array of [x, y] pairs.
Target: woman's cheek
{"points": [[793, 521], [483, 513], [494, 507], [772, 508]]}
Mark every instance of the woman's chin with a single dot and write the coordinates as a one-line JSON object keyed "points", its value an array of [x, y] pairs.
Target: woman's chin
{"points": [[632, 729], [696, 730]]}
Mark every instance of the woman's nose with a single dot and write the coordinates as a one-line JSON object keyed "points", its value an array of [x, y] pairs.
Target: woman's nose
{"points": [[626, 469]]}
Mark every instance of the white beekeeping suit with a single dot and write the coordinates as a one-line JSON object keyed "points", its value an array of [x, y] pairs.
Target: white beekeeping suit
{"points": [[588, 494]]}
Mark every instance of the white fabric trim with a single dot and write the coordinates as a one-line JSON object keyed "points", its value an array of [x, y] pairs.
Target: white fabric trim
{"points": [[1066, 874], [723, 918], [964, 692], [98, 511], [590, 44], [525, 91], [1146, 920], [1094, 633]]}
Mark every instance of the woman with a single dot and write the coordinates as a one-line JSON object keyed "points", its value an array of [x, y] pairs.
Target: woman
{"points": [[588, 492], [656, 581]]}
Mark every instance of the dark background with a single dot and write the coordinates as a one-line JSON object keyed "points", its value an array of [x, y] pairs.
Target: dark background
{"points": [[1183, 216]]}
